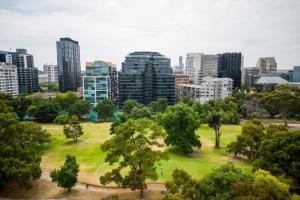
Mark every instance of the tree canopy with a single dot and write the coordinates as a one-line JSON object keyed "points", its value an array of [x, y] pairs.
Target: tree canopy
{"points": [[73, 128], [105, 108]]}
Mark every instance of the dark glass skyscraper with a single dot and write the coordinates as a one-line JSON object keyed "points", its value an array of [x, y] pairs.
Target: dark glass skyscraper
{"points": [[145, 77], [230, 65], [68, 62]]}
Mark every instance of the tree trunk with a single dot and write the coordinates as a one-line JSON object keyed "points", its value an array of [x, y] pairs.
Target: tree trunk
{"points": [[142, 193], [75, 139], [69, 190], [217, 145]]}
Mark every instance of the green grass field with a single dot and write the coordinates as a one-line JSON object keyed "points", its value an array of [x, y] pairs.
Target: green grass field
{"points": [[91, 158]]}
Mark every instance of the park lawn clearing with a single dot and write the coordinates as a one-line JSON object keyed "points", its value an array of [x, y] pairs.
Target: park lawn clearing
{"points": [[92, 160]]}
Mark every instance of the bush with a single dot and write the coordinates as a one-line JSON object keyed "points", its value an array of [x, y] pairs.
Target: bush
{"points": [[61, 119]]}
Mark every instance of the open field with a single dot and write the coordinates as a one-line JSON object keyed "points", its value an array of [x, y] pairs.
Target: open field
{"points": [[91, 158]]}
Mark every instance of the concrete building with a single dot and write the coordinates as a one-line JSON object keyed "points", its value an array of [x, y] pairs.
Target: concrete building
{"points": [[99, 82], [43, 78], [145, 77], [52, 73], [68, 62], [8, 78], [210, 89], [267, 65], [180, 78], [199, 65], [296, 74], [27, 74], [267, 83], [250, 75], [230, 66]]}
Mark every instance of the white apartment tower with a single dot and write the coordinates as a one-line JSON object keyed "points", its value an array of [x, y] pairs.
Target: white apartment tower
{"points": [[52, 73], [199, 65], [266, 65], [9, 79]]}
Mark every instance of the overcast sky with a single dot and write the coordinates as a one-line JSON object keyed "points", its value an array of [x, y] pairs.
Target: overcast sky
{"points": [[110, 29]]}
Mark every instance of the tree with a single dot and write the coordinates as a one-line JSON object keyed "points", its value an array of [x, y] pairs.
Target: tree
{"points": [[217, 184], [61, 119], [160, 105], [66, 177], [45, 112], [79, 108], [262, 186], [279, 154], [266, 102], [129, 105], [65, 100], [105, 108], [252, 108], [73, 128], [19, 143], [134, 147], [248, 143], [182, 187], [214, 121], [181, 121]]}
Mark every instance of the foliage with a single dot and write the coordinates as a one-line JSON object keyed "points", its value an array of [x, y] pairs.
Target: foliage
{"points": [[240, 98], [134, 147], [73, 129], [79, 108], [182, 186], [129, 105], [214, 121], [248, 143], [19, 142], [105, 108], [45, 112], [50, 87], [252, 108], [61, 119], [65, 100], [262, 186], [279, 154], [66, 177], [181, 121], [160, 105]]}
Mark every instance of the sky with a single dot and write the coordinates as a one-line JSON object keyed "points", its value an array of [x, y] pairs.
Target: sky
{"points": [[110, 29]]}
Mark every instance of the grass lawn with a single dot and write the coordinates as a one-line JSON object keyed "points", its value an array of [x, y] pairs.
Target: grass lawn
{"points": [[91, 158]]}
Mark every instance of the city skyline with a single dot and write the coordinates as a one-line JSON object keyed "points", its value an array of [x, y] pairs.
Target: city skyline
{"points": [[174, 28]]}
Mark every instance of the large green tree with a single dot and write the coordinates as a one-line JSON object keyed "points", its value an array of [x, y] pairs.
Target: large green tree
{"points": [[160, 105], [65, 100], [129, 105], [79, 108], [45, 112], [19, 155], [134, 152], [248, 143], [181, 122], [66, 176], [279, 154], [73, 128], [105, 108]]}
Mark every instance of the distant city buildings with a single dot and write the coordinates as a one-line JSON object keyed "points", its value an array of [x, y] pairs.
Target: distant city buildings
{"points": [[99, 82], [52, 73], [68, 62], [250, 75], [210, 89], [145, 77], [180, 67], [230, 66], [9, 79], [27, 74], [266, 65], [296, 74], [180, 78]]}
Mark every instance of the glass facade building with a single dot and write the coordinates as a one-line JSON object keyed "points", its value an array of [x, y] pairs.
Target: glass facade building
{"points": [[296, 74], [145, 77], [230, 66], [68, 62], [99, 82]]}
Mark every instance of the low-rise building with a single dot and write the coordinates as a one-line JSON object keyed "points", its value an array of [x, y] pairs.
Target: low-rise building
{"points": [[8, 79], [209, 89], [180, 77]]}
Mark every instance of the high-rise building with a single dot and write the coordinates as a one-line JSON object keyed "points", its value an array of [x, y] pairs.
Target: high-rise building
{"points": [[230, 66], [99, 82], [145, 77], [250, 75], [209, 89], [68, 62], [267, 65], [8, 78], [199, 65], [27, 74], [52, 73], [296, 74]]}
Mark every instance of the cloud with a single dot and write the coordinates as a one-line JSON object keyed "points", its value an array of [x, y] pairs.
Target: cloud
{"points": [[110, 29]]}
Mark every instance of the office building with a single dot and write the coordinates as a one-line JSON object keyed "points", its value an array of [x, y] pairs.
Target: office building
{"points": [[27, 74], [230, 66], [296, 74], [199, 65], [68, 63], [180, 67], [210, 89], [145, 77], [99, 82], [267, 65], [180, 77], [250, 75], [9, 79], [52, 73]]}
